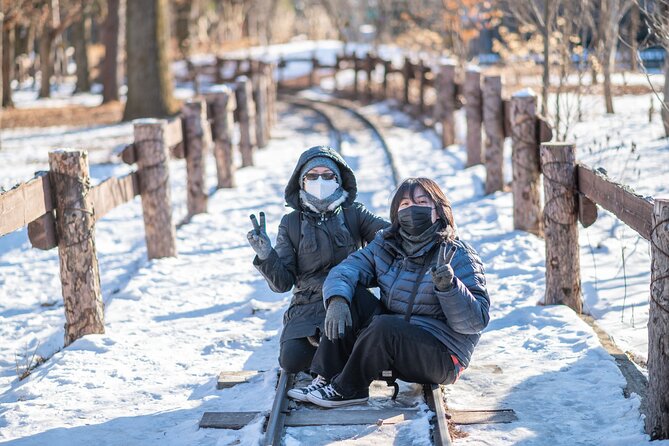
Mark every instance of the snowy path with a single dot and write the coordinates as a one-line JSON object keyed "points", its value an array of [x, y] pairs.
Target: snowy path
{"points": [[175, 323]]}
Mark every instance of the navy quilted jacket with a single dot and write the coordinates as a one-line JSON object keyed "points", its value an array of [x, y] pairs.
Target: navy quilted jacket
{"points": [[455, 317]]}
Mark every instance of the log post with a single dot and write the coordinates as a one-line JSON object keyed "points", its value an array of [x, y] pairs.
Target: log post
{"points": [[222, 104], [153, 171], [473, 112], [314, 68], [560, 217], [525, 163], [446, 101], [197, 139], [421, 85], [356, 68], [657, 419], [493, 123], [406, 72], [245, 111], [268, 69], [369, 67], [260, 100], [75, 224], [337, 67], [387, 65]]}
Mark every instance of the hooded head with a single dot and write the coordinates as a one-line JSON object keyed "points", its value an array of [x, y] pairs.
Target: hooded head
{"points": [[321, 156]]}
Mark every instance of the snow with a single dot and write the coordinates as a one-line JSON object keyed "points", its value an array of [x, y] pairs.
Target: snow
{"points": [[171, 325]]}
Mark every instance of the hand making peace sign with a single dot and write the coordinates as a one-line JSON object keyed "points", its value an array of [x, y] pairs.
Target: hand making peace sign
{"points": [[442, 273], [258, 238]]}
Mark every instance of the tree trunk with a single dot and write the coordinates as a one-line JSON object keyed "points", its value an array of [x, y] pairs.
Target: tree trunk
{"points": [[563, 277], [81, 34], [110, 38], [634, 31], [546, 77], [657, 420], [149, 77], [46, 61], [80, 276], [608, 63], [8, 55], [183, 25], [665, 108]]}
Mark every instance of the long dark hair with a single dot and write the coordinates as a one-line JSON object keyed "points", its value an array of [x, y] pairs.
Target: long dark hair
{"points": [[441, 203]]}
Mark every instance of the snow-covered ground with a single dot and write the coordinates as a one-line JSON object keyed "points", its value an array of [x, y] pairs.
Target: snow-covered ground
{"points": [[173, 324]]}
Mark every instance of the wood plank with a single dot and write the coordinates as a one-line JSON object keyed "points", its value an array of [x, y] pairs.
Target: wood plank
{"points": [[629, 207], [440, 434], [25, 203], [348, 417], [42, 232], [231, 379], [113, 192], [587, 211], [173, 132], [482, 416]]}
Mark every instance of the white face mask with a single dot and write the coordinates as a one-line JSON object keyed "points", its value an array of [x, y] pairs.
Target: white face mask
{"points": [[320, 188]]}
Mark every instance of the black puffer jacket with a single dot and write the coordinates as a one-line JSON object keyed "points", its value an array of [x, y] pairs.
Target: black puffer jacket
{"points": [[324, 242]]}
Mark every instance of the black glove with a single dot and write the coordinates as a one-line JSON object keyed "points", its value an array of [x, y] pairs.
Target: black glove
{"points": [[442, 273], [258, 238], [337, 318]]}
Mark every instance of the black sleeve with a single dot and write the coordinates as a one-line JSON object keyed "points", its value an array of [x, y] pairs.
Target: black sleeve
{"points": [[280, 268], [370, 224]]}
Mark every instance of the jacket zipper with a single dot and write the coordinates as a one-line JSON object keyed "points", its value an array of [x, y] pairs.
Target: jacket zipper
{"points": [[392, 287]]}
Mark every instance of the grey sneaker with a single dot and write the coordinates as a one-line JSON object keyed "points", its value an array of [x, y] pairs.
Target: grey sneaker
{"points": [[300, 393], [328, 397]]}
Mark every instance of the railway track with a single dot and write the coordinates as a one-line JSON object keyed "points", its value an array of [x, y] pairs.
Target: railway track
{"points": [[347, 126]]}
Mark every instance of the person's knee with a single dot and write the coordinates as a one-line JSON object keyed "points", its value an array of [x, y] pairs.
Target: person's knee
{"points": [[296, 356], [382, 326]]}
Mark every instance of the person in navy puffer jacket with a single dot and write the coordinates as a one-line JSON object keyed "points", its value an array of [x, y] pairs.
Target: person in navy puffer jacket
{"points": [[432, 309]]}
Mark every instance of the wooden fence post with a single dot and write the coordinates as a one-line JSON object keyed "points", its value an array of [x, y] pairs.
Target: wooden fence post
{"points": [[222, 104], [387, 66], [657, 419], [260, 100], [268, 69], [473, 112], [369, 64], [245, 110], [493, 123], [406, 72], [446, 102], [356, 68], [560, 216], [422, 82], [197, 139], [525, 163], [314, 67], [75, 223], [153, 171]]}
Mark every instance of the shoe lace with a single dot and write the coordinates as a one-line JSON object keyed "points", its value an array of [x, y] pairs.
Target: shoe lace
{"points": [[330, 392], [317, 383]]}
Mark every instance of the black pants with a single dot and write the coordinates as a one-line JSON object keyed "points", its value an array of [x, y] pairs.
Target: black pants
{"points": [[379, 342], [296, 355]]}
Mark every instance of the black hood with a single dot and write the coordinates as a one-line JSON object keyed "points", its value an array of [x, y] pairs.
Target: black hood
{"points": [[348, 182]]}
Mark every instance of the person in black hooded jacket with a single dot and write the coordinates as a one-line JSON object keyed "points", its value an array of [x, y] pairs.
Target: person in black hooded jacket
{"points": [[326, 225]]}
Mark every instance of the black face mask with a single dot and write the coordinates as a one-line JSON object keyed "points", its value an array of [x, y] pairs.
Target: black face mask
{"points": [[415, 219]]}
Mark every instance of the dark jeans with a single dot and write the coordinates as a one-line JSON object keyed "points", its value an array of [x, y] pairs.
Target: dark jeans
{"points": [[379, 342], [296, 355]]}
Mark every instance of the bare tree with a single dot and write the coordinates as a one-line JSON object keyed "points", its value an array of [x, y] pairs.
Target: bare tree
{"points": [[81, 36], [610, 13], [150, 81], [657, 16], [541, 14], [111, 36]]}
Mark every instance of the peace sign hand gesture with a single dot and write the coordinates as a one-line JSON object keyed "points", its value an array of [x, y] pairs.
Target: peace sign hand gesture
{"points": [[442, 273], [258, 238]]}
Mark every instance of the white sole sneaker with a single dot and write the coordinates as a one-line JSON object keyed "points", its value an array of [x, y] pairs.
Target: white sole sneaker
{"points": [[297, 394], [314, 398]]}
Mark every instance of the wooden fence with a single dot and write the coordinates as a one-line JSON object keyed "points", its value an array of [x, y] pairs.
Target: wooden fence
{"points": [[60, 207]]}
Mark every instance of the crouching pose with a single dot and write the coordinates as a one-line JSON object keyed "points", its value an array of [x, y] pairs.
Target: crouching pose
{"points": [[432, 310], [325, 226]]}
